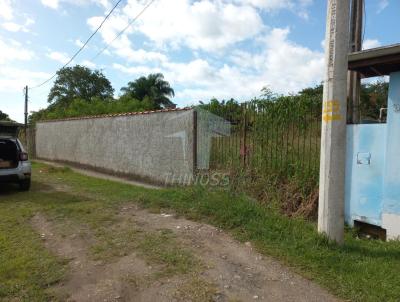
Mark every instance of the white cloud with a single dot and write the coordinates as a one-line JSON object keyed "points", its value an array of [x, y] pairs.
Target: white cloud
{"points": [[29, 21], [7, 13], [55, 4], [51, 3], [289, 66], [15, 27], [110, 29], [297, 6], [6, 10], [12, 50], [198, 72], [281, 64], [12, 78], [136, 70], [123, 46], [201, 25], [371, 43], [88, 64], [58, 56], [268, 4], [382, 5], [140, 55], [125, 51], [210, 26], [79, 43]]}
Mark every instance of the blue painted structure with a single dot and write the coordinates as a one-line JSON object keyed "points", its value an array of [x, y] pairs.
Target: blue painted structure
{"points": [[373, 168]]}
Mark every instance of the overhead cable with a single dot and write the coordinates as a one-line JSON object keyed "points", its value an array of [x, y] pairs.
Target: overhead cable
{"points": [[82, 47], [122, 31]]}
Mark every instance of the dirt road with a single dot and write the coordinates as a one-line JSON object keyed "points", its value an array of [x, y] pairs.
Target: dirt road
{"points": [[148, 256]]}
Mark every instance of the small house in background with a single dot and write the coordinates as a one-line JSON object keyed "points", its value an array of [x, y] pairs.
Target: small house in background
{"points": [[373, 167], [9, 129]]}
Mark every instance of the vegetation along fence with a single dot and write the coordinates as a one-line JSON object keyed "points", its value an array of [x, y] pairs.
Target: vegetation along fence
{"points": [[276, 137]]}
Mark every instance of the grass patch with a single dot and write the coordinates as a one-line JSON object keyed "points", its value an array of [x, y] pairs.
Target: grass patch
{"points": [[360, 270], [27, 269], [164, 249], [196, 290], [160, 247]]}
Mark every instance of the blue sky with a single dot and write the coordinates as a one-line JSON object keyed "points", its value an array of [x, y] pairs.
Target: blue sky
{"points": [[205, 49]]}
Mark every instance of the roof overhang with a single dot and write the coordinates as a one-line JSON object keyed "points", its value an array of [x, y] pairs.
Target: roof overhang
{"points": [[376, 61], [9, 129]]}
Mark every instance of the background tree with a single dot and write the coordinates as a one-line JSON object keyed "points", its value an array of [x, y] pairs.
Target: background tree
{"points": [[374, 96], [79, 82], [4, 116], [153, 87], [316, 91]]}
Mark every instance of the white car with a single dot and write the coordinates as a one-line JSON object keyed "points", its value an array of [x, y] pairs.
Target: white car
{"points": [[14, 164]]}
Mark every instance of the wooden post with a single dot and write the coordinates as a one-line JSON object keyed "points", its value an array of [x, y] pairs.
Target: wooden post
{"points": [[354, 80], [26, 115], [244, 136]]}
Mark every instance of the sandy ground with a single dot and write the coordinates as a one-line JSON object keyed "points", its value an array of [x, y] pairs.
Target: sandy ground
{"points": [[234, 270], [230, 270]]}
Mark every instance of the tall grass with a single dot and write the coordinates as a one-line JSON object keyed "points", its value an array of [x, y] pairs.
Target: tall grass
{"points": [[274, 142]]}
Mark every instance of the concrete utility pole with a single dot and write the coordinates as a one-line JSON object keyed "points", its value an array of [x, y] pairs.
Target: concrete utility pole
{"points": [[333, 134], [354, 80], [26, 112]]}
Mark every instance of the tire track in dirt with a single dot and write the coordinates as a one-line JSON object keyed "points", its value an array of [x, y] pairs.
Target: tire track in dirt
{"points": [[89, 280], [230, 270], [240, 273]]}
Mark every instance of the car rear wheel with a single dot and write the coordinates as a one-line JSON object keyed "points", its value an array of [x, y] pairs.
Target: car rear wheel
{"points": [[25, 185]]}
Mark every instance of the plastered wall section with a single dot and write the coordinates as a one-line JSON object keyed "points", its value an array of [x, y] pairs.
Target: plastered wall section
{"points": [[156, 146]]}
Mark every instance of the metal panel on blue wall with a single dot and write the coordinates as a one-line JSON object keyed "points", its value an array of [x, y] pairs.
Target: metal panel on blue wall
{"points": [[366, 146]]}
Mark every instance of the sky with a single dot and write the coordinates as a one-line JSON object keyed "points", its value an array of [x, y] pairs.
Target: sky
{"points": [[205, 49]]}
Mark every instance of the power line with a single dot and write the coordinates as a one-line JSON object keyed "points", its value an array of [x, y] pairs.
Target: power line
{"points": [[122, 31], [83, 46]]}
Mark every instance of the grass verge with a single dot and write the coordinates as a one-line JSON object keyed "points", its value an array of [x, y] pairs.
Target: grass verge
{"points": [[27, 269]]}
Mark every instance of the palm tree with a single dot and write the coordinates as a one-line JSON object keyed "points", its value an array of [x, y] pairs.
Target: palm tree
{"points": [[153, 87]]}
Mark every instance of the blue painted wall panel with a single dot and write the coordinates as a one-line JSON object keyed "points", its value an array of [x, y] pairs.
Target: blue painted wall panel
{"points": [[391, 200], [364, 172], [373, 166]]}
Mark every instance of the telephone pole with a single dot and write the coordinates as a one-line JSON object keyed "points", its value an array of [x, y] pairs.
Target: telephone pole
{"points": [[354, 80], [333, 132], [26, 112]]}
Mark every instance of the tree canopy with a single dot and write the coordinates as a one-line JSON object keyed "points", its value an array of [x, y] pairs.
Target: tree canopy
{"points": [[79, 82], [80, 91], [153, 87], [4, 116], [96, 106], [374, 96]]}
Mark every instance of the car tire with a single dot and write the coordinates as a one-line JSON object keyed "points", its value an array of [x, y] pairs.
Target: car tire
{"points": [[25, 185]]}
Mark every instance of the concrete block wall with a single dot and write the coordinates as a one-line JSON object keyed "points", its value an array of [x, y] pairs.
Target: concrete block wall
{"points": [[155, 146]]}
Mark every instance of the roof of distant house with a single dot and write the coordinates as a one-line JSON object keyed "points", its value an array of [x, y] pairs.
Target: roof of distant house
{"points": [[10, 124]]}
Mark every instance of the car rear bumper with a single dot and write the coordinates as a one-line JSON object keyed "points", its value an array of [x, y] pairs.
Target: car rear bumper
{"points": [[9, 178], [22, 172]]}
